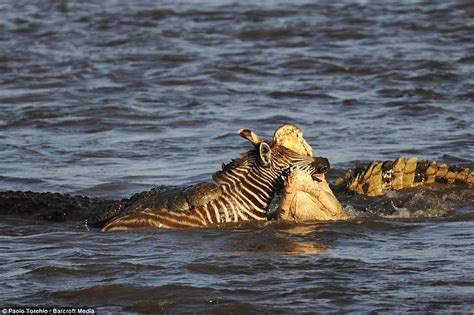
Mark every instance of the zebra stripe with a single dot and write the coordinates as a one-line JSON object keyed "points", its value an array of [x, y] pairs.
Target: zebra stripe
{"points": [[247, 190]]}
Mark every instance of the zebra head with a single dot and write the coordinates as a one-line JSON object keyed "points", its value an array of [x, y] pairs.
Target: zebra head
{"points": [[287, 151]]}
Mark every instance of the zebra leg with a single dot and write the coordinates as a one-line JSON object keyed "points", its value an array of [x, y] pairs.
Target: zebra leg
{"points": [[156, 218]]}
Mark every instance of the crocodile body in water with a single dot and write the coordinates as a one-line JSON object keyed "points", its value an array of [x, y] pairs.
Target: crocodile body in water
{"points": [[379, 177], [95, 212], [305, 194], [243, 190]]}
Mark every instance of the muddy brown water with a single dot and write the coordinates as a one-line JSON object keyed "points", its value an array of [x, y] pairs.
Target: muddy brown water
{"points": [[107, 98]]}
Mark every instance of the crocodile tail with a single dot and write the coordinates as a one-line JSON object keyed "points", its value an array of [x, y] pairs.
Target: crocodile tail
{"points": [[378, 177], [59, 207]]}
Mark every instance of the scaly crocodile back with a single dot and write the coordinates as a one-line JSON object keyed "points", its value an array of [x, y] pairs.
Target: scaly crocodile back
{"points": [[378, 177], [58, 207]]}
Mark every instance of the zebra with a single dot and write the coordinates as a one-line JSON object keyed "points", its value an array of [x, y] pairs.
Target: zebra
{"points": [[248, 185]]}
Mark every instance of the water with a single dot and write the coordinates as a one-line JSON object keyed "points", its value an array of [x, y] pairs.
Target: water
{"points": [[113, 97]]}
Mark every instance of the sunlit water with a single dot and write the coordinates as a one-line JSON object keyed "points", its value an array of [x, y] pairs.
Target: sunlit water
{"points": [[107, 98]]}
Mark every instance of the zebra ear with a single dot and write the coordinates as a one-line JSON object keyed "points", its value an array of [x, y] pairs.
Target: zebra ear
{"points": [[250, 136], [265, 153]]}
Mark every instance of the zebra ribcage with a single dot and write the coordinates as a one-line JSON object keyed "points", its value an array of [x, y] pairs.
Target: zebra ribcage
{"points": [[245, 196]]}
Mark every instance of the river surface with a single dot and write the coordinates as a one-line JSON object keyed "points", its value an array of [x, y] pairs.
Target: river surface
{"points": [[108, 98]]}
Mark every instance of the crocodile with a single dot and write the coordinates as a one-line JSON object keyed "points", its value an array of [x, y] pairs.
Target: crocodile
{"points": [[302, 196], [95, 212]]}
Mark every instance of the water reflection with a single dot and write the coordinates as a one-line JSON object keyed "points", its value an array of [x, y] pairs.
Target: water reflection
{"points": [[281, 238]]}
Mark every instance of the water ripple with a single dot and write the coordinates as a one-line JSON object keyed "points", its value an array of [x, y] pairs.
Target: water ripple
{"points": [[113, 97]]}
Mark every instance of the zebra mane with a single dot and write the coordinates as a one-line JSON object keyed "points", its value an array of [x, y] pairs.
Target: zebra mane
{"points": [[241, 165]]}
